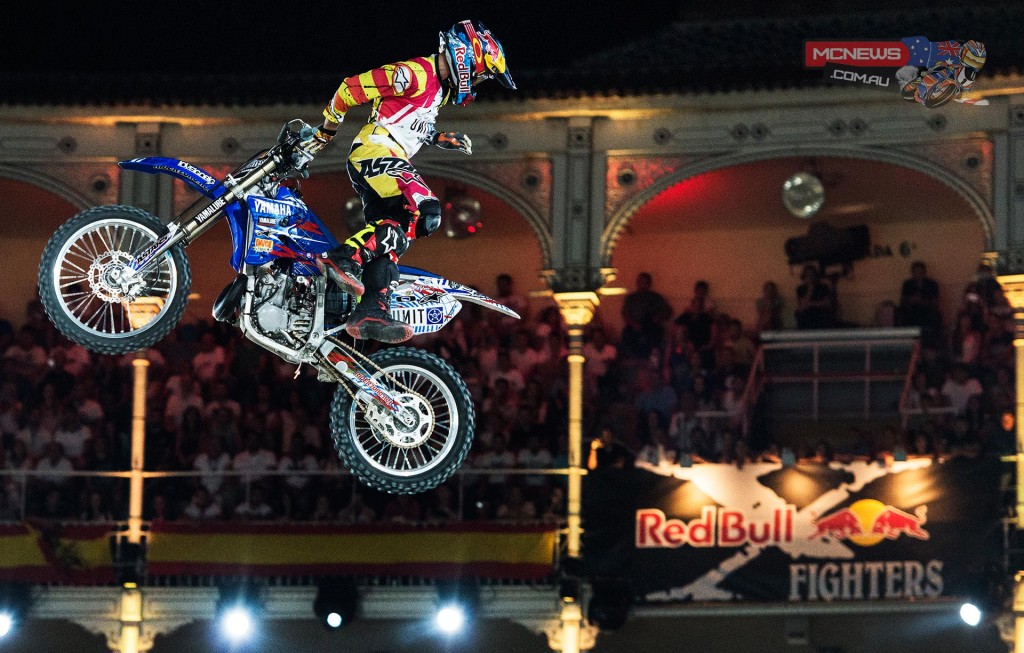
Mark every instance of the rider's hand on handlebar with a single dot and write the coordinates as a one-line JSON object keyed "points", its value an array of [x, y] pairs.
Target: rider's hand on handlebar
{"points": [[453, 141], [318, 141]]}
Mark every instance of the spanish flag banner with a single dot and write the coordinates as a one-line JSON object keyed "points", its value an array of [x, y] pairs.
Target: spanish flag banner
{"points": [[491, 550], [48, 553]]}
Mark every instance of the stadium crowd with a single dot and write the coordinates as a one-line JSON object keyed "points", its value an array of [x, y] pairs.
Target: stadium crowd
{"points": [[670, 388]]}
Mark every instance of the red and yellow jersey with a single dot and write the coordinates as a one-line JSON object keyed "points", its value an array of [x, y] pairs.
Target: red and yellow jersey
{"points": [[405, 95]]}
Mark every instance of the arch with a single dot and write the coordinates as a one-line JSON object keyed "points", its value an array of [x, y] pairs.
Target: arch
{"points": [[459, 174], [618, 221], [50, 184]]}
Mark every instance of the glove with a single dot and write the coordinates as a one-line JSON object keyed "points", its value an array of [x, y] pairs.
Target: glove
{"points": [[453, 141], [318, 140]]}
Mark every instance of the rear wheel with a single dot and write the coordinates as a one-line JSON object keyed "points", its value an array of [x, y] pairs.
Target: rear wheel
{"points": [[82, 281], [415, 454]]}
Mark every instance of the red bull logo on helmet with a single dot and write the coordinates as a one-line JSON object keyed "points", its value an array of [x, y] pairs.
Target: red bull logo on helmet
{"points": [[868, 521]]}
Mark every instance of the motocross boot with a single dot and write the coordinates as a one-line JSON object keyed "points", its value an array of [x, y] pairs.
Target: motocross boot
{"points": [[342, 268], [371, 319]]}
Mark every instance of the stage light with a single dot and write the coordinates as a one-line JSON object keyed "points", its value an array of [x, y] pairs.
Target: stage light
{"points": [[461, 214], [6, 622], [970, 614], [237, 610], [450, 619], [236, 623], [336, 602], [458, 601]]}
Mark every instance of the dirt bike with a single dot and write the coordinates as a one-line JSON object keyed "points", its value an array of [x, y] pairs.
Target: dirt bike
{"points": [[115, 279], [937, 86]]}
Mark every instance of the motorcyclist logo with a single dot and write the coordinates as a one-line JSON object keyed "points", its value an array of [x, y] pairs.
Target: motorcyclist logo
{"points": [[932, 73]]}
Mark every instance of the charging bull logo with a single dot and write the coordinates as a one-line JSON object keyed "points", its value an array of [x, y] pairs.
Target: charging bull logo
{"points": [[867, 522]]}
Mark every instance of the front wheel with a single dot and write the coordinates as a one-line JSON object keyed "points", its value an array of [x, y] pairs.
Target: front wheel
{"points": [[412, 456], [83, 287], [940, 94]]}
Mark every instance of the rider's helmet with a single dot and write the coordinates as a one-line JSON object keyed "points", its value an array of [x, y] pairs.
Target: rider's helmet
{"points": [[473, 55], [973, 54]]}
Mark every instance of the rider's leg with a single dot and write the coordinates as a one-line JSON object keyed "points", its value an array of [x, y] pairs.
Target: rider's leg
{"points": [[371, 318]]}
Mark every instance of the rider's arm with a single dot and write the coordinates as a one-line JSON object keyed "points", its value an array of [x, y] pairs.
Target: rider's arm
{"points": [[403, 78]]}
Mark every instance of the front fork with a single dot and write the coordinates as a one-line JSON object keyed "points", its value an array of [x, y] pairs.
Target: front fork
{"points": [[185, 230]]}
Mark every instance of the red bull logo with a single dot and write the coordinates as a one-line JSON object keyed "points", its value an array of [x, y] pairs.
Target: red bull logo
{"points": [[724, 527], [867, 522]]}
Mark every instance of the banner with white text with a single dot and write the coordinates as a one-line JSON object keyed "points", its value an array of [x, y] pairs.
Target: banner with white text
{"points": [[861, 531]]}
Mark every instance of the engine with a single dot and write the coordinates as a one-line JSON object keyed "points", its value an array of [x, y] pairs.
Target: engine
{"points": [[283, 304]]}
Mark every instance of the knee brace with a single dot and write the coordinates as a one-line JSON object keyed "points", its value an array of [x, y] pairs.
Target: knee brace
{"points": [[430, 218]]}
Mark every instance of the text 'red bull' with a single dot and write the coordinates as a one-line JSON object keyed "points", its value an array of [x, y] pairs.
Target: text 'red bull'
{"points": [[725, 527]]}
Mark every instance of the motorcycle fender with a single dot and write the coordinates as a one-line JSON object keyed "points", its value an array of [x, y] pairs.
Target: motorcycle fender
{"points": [[192, 175], [428, 285]]}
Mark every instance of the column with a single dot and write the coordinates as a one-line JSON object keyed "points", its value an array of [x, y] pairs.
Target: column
{"points": [[577, 310]]}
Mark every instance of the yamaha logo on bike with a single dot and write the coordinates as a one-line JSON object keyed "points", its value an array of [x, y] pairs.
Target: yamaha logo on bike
{"points": [[932, 73]]}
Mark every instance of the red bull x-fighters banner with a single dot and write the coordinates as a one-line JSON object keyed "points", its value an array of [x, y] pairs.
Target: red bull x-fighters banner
{"points": [[860, 531]]}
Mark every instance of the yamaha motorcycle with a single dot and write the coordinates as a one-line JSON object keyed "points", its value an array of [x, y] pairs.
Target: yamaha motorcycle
{"points": [[115, 279]]}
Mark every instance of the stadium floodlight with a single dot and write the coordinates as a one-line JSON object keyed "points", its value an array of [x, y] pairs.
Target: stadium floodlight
{"points": [[6, 623], [236, 623], [450, 619], [971, 614]]}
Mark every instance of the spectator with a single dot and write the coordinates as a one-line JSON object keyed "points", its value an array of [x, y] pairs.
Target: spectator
{"points": [[403, 509], [254, 459], [219, 399], [606, 451], [555, 510], [534, 456], [645, 313], [769, 308], [356, 512], [741, 345], [210, 361], [203, 506], [29, 360], [510, 298], [966, 341], [211, 461], [600, 355], [256, 506], [699, 316], [507, 372], [960, 387], [654, 395], [522, 356], [815, 301], [97, 509], [498, 457], [72, 434], [919, 303], [322, 511], [516, 507], [54, 461], [299, 458], [684, 421], [443, 509]]}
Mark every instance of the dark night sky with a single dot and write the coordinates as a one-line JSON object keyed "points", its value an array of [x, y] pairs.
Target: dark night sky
{"points": [[346, 36]]}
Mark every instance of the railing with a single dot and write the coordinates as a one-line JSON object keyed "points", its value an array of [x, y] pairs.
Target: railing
{"points": [[248, 478], [907, 412], [849, 340]]}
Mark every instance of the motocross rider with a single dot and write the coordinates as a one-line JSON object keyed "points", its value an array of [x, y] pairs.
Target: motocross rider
{"points": [[397, 204]]}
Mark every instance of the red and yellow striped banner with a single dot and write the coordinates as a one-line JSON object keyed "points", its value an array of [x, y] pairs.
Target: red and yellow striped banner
{"points": [[54, 553], [499, 551]]}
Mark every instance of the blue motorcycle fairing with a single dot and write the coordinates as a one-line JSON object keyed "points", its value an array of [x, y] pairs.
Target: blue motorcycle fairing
{"points": [[194, 176], [283, 227]]}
